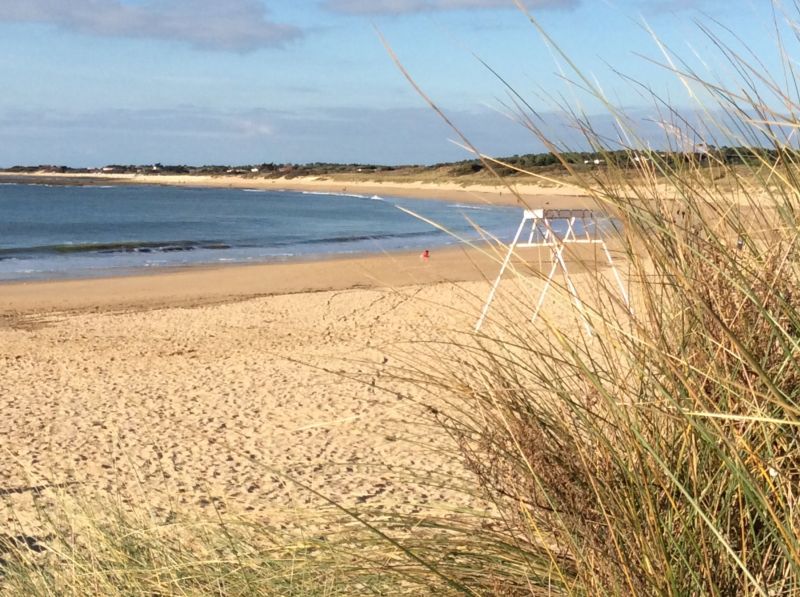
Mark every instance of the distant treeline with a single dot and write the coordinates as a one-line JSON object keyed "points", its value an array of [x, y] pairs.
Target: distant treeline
{"points": [[266, 169], [624, 158], [532, 161]]}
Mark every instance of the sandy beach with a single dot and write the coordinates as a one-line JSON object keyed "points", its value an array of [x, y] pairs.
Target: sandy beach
{"points": [[195, 389], [531, 196], [188, 391]]}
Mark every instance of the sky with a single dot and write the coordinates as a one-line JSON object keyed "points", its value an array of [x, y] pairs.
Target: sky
{"points": [[95, 82]]}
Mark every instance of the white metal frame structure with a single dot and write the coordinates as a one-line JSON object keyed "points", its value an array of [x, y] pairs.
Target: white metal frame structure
{"points": [[542, 234]]}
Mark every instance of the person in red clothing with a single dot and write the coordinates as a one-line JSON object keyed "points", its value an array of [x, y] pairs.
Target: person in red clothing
{"points": [[426, 254]]}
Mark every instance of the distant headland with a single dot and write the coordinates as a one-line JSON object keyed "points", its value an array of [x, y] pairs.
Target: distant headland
{"points": [[532, 180]]}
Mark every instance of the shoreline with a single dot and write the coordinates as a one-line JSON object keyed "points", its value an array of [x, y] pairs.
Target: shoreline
{"points": [[206, 284], [533, 196], [211, 283], [201, 285]]}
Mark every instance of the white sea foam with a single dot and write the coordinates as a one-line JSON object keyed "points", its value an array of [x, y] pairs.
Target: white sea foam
{"points": [[333, 194], [473, 207]]}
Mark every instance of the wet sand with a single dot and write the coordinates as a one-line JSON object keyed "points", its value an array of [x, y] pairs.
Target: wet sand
{"points": [[197, 286]]}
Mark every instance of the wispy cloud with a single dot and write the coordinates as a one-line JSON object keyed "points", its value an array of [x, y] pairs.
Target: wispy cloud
{"points": [[414, 6], [232, 25], [198, 135]]}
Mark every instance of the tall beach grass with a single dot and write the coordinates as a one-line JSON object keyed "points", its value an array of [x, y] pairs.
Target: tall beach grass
{"points": [[657, 455]]}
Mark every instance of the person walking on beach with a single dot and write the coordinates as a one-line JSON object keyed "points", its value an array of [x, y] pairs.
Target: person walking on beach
{"points": [[426, 254]]}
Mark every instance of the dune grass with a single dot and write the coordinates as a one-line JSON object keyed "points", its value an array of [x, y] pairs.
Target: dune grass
{"points": [[658, 456]]}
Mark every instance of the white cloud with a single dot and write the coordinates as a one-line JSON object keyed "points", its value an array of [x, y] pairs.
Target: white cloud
{"points": [[413, 6], [232, 25], [200, 135]]}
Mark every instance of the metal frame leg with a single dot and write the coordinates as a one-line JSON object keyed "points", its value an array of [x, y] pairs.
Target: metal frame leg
{"points": [[622, 290], [574, 292], [556, 256], [506, 261]]}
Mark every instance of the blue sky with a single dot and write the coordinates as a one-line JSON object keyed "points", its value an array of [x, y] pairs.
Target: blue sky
{"points": [[91, 82]]}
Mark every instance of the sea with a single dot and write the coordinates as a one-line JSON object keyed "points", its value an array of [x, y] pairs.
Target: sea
{"points": [[56, 232]]}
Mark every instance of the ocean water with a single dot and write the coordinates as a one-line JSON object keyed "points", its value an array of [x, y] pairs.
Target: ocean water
{"points": [[85, 231]]}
